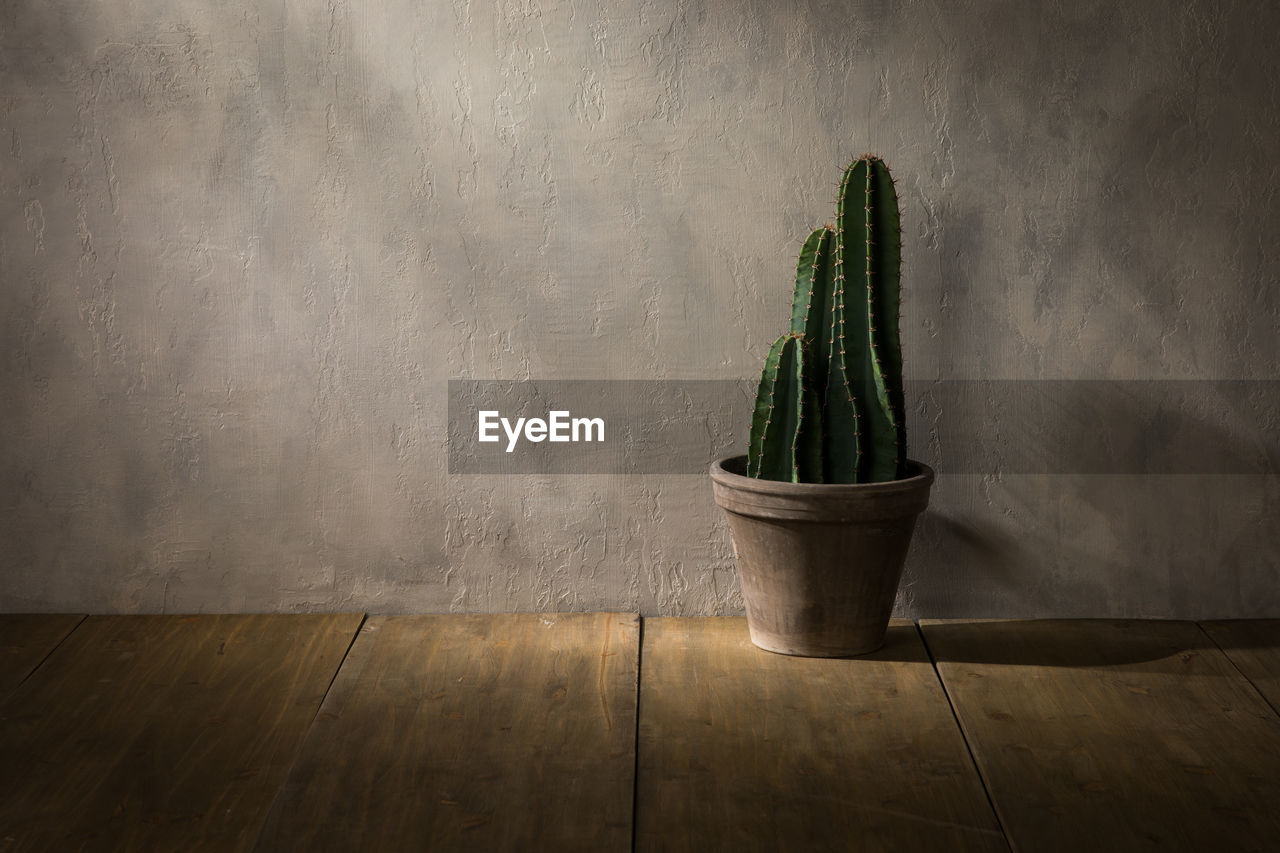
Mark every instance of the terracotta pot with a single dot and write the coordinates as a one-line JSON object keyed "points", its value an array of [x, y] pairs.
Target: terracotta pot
{"points": [[819, 563]]}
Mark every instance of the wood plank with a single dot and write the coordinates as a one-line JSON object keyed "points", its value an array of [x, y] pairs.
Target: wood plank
{"points": [[743, 748], [1113, 735], [26, 639], [471, 732], [162, 732], [1253, 645]]}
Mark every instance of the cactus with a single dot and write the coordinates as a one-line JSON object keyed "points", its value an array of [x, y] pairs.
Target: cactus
{"points": [[786, 425], [829, 407]]}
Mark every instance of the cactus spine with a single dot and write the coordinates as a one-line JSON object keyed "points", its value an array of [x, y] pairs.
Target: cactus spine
{"points": [[829, 407]]}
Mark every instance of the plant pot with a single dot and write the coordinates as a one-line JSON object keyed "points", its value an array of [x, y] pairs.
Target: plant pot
{"points": [[819, 563]]}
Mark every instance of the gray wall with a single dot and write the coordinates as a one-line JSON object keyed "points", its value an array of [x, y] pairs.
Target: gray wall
{"points": [[244, 244]]}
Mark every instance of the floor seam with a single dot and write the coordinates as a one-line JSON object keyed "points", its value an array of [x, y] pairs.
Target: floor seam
{"points": [[964, 737], [635, 748], [1236, 667], [306, 733], [48, 654]]}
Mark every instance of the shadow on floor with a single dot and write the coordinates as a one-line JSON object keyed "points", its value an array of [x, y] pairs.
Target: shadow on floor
{"points": [[1085, 643]]}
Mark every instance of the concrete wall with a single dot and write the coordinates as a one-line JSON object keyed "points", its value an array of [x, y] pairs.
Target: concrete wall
{"points": [[244, 245]]}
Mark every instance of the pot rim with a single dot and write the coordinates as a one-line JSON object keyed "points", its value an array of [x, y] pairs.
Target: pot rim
{"points": [[922, 478]]}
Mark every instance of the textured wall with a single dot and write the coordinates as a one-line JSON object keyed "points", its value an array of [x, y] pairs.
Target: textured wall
{"points": [[244, 244]]}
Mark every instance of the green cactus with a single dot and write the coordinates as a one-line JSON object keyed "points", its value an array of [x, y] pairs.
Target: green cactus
{"points": [[829, 407], [786, 426]]}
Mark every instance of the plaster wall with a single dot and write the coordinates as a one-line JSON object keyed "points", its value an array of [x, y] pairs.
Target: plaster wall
{"points": [[245, 244]]}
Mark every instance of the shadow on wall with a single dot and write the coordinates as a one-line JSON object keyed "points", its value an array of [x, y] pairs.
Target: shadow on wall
{"points": [[957, 553], [1126, 232], [1094, 498], [1133, 237], [1103, 427]]}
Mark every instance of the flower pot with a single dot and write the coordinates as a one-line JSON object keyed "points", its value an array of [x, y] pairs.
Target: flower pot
{"points": [[819, 563]]}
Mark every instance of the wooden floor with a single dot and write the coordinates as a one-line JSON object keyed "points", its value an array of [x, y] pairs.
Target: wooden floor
{"points": [[599, 732]]}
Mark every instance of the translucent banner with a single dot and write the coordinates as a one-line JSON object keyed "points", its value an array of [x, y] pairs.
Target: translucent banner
{"points": [[957, 426]]}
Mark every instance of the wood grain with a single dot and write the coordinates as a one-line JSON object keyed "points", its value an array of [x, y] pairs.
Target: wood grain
{"points": [[1113, 735], [471, 732], [744, 749], [26, 640], [162, 732], [1253, 645]]}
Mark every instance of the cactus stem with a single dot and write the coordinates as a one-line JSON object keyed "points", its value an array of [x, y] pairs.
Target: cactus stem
{"points": [[851, 354]]}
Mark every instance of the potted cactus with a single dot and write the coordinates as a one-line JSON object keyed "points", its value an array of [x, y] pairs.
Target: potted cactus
{"points": [[822, 507]]}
